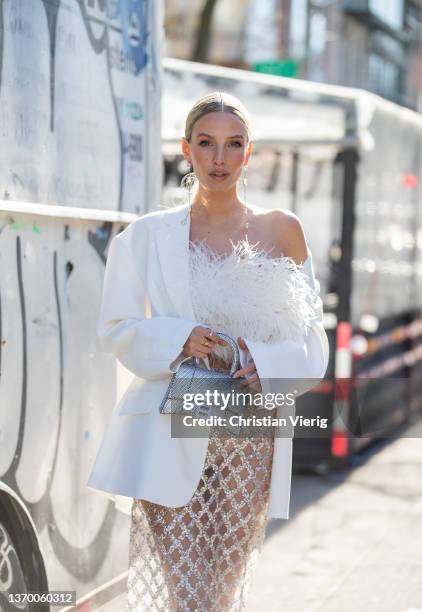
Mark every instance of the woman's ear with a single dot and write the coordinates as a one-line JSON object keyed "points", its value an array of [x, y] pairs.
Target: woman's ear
{"points": [[248, 152], [185, 149]]}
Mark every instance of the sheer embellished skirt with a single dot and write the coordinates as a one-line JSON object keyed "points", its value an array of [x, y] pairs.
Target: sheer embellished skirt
{"points": [[201, 556]]}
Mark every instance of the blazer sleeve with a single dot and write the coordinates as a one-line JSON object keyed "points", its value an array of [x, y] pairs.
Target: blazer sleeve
{"points": [[148, 347], [290, 365]]}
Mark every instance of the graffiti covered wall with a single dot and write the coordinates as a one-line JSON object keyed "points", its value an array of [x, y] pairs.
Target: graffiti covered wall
{"points": [[57, 392], [80, 103], [79, 127]]}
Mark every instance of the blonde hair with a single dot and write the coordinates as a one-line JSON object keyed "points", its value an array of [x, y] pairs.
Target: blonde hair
{"points": [[215, 102]]}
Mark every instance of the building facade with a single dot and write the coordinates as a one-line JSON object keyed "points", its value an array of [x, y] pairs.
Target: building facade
{"points": [[371, 44]]}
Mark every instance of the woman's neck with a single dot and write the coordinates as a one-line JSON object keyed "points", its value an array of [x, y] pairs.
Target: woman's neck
{"points": [[217, 204]]}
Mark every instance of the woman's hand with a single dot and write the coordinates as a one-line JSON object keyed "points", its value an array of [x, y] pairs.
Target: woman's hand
{"points": [[252, 379], [201, 342]]}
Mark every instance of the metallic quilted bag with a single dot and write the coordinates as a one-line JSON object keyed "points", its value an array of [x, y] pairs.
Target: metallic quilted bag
{"points": [[193, 377]]}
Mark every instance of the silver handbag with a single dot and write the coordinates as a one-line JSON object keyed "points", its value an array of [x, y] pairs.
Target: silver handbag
{"points": [[193, 377]]}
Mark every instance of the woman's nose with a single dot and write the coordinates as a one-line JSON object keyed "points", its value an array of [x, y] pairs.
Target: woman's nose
{"points": [[219, 154]]}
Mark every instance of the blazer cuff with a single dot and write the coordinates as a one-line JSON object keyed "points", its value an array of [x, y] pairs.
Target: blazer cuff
{"points": [[289, 366], [178, 340]]}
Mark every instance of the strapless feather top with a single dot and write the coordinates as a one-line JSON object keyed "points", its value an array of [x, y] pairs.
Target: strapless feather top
{"points": [[248, 293]]}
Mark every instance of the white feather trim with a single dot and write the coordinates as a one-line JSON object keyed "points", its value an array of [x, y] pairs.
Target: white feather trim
{"points": [[248, 293]]}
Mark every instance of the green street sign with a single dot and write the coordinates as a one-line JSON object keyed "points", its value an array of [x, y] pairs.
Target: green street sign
{"points": [[286, 67]]}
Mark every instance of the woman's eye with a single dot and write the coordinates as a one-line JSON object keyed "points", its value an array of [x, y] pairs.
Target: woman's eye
{"points": [[233, 143]]}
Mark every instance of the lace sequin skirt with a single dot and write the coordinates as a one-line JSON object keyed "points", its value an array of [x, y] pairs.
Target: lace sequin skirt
{"points": [[201, 556]]}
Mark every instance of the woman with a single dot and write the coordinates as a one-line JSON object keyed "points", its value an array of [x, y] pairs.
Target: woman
{"points": [[173, 279]]}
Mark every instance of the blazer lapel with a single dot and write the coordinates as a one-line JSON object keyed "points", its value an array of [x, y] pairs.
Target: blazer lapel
{"points": [[172, 242]]}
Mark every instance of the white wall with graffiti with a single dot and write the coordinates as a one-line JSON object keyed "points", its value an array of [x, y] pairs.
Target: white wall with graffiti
{"points": [[79, 129], [79, 103]]}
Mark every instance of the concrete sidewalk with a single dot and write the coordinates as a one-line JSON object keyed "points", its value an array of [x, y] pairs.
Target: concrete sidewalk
{"points": [[354, 543]]}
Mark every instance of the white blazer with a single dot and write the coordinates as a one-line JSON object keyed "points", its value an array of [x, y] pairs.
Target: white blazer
{"points": [[146, 316]]}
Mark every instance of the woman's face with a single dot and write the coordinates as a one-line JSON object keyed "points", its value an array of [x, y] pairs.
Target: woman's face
{"points": [[218, 150]]}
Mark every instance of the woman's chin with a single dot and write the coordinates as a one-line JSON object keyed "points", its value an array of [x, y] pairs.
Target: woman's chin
{"points": [[213, 186]]}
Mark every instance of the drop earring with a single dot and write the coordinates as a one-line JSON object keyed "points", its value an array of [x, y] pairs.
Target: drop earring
{"points": [[188, 183], [245, 182]]}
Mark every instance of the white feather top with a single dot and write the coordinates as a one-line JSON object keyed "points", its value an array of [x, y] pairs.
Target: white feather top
{"points": [[248, 293]]}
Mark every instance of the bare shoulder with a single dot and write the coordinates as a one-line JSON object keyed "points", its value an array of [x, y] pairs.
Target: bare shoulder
{"points": [[287, 232]]}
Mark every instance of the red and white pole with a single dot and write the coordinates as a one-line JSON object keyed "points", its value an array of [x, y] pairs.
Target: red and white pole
{"points": [[342, 374]]}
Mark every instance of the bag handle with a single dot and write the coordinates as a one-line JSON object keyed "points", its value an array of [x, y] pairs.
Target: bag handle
{"points": [[233, 345]]}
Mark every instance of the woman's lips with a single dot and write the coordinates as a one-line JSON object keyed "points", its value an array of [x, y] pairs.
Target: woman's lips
{"points": [[219, 176]]}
